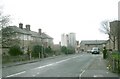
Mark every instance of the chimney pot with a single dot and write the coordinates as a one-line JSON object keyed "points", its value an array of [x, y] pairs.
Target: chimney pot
{"points": [[21, 25], [28, 27], [40, 31]]}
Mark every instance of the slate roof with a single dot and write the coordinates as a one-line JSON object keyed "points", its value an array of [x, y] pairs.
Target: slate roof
{"points": [[46, 36], [35, 34], [89, 42], [18, 30], [32, 33]]}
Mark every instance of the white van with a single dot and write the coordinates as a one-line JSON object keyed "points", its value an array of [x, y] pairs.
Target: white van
{"points": [[95, 50]]}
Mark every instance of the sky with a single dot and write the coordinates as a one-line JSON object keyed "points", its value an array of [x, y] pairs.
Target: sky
{"points": [[56, 17]]}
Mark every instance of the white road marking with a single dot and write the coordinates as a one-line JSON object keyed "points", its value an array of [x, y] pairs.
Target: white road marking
{"points": [[50, 64], [81, 73], [42, 66], [55, 63], [34, 75], [98, 76], [62, 61], [76, 56], [16, 74], [94, 76], [83, 70]]}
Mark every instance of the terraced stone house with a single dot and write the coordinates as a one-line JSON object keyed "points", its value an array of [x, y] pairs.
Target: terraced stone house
{"points": [[28, 38]]}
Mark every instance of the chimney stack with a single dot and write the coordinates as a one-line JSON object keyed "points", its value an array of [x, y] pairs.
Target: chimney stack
{"points": [[28, 27], [20, 25], [40, 31]]}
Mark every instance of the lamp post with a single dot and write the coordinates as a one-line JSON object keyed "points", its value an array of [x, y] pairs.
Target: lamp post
{"points": [[118, 35], [42, 53], [42, 50]]}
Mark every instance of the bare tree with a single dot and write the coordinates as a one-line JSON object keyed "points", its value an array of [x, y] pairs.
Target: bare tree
{"points": [[106, 30], [9, 37], [4, 19], [6, 33], [105, 27]]}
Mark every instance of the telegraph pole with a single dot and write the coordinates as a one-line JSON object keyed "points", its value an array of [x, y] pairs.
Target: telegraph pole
{"points": [[118, 35]]}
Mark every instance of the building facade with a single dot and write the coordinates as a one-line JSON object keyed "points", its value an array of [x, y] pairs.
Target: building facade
{"points": [[64, 40], [119, 10], [114, 37], [68, 40], [28, 38], [89, 44], [72, 39]]}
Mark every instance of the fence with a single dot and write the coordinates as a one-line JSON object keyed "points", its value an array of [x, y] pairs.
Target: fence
{"points": [[6, 59], [114, 62]]}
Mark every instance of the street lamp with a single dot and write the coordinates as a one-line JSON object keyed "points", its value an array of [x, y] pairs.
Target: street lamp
{"points": [[42, 50]]}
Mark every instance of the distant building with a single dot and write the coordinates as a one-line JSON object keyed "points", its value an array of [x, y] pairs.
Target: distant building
{"points": [[57, 48], [68, 40], [64, 40], [72, 39], [89, 44], [77, 49], [119, 10]]}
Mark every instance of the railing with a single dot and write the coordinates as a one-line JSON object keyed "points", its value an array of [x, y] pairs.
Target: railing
{"points": [[114, 62], [6, 59]]}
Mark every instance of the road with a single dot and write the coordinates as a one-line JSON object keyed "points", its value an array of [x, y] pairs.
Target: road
{"points": [[77, 65]]}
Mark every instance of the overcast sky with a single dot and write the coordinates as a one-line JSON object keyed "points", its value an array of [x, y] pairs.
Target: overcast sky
{"points": [[55, 17]]}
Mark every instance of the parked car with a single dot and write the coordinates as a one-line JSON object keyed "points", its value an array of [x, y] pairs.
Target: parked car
{"points": [[95, 50], [88, 51]]}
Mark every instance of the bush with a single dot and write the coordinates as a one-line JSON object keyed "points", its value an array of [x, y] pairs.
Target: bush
{"points": [[114, 62], [15, 50], [71, 51], [116, 56], [64, 49], [67, 50], [36, 50], [48, 51]]}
